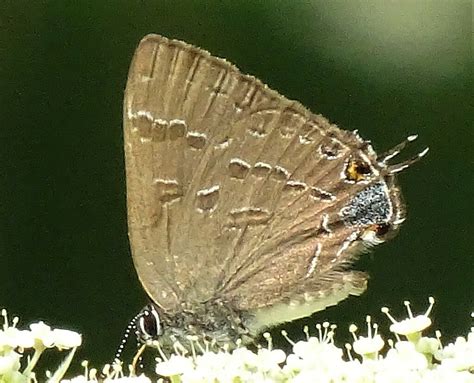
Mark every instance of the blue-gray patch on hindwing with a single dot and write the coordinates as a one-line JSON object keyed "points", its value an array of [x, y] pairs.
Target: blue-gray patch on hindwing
{"points": [[370, 206]]}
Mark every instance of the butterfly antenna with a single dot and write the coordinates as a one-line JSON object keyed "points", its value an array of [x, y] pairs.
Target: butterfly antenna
{"points": [[131, 326], [387, 156], [406, 164], [396, 168]]}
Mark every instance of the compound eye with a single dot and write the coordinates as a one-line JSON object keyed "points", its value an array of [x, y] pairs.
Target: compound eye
{"points": [[381, 229], [149, 325]]}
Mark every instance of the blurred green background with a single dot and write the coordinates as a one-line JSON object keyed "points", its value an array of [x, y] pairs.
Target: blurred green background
{"points": [[386, 68]]}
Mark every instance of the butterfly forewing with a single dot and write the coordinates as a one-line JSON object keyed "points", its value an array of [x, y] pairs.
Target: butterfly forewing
{"points": [[232, 187], [181, 108]]}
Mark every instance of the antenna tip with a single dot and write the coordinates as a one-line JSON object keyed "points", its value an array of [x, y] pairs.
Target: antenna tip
{"points": [[423, 153]]}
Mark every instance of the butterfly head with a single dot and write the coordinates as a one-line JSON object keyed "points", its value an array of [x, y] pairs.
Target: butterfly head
{"points": [[148, 326]]}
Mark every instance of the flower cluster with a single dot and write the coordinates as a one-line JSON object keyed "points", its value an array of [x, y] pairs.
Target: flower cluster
{"points": [[409, 357], [16, 343]]}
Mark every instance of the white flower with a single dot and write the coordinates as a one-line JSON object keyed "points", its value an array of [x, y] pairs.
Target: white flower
{"points": [[268, 360], [355, 371], [314, 349], [405, 355], [42, 334], [367, 347], [412, 327], [65, 339], [457, 356], [175, 365], [210, 366], [9, 362], [428, 346], [11, 338]]}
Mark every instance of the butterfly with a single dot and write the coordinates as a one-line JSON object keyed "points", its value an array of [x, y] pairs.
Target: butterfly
{"points": [[245, 210]]}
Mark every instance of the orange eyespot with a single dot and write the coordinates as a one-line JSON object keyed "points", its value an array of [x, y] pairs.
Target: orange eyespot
{"points": [[357, 170]]}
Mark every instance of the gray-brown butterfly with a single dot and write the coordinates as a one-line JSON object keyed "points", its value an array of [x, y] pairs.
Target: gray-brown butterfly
{"points": [[245, 210]]}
